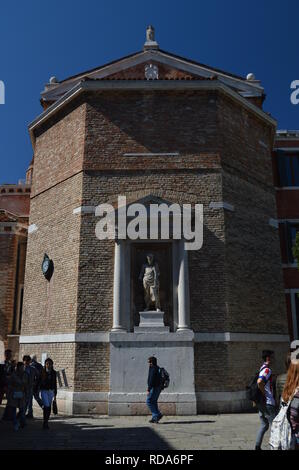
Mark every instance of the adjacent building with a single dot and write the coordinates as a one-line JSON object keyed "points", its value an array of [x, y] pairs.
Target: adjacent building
{"points": [[14, 217], [286, 180]]}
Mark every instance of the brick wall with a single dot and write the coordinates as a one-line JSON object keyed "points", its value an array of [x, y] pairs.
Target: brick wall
{"points": [[59, 148], [253, 265], [230, 366], [14, 208], [96, 257], [118, 123], [8, 262], [62, 354], [51, 307], [220, 159], [92, 367], [246, 143]]}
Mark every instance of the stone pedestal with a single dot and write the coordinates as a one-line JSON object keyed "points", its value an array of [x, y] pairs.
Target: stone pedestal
{"points": [[129, 369], [151, 320]]}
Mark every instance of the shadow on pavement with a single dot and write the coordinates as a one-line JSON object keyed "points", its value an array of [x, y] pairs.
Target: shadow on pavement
{"points": [[64, 433], [185, 422]]}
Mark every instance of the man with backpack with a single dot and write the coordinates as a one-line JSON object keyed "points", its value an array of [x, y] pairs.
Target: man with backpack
{"points": [[265, 397], [158, 379]]}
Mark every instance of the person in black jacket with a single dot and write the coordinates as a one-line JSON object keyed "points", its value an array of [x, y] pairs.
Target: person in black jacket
{"points": [[153, 389], [48, 389], [7, 368]]}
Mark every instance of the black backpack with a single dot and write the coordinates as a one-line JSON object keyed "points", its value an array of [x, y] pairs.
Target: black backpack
{"points": [[253, 392], [164, 378]]}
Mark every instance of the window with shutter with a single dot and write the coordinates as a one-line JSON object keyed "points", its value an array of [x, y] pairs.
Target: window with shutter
{"points": [[288, 169], [290, 237]]}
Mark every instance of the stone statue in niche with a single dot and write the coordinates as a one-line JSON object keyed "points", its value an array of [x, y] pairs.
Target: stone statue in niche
{"points": [[149, 275]]}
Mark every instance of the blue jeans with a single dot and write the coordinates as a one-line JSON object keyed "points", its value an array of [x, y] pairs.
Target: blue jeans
{"points": [[152, 402], [47, 397], [266, 413]]}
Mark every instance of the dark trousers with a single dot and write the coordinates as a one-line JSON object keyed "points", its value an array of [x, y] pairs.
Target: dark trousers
{"points": [[3, 391], [29, 404], [18, 419]]}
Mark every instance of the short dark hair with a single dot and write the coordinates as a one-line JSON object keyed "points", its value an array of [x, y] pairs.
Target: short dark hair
{"points": [[49, 360], [267, 353], [153, 360], [26, 358], [7, 351]]}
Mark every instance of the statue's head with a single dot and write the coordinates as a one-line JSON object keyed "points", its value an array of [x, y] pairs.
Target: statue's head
{"points": [[150, 258]]}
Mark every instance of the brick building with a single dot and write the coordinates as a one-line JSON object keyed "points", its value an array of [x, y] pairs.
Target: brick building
{"points": [[14, 217], [154, 126], [286, 180]]}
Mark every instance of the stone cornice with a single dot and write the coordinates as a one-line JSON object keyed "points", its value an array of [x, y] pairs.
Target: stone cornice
{"points": [[182, 336]]}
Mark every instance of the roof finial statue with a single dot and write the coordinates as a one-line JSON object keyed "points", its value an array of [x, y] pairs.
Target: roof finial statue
{"points": [[150, 39], [150, 33]]}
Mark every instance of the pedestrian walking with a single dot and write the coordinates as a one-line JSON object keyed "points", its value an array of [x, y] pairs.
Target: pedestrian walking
{"points": [[36, 385], [266, 405], [31, 373], [48, 389], [18, 395], [6, 370], [153, 389], [285, 426], [291, 392]]}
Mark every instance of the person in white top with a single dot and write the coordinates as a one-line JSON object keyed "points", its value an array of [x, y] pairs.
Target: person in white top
{"points": [[267, 408]]}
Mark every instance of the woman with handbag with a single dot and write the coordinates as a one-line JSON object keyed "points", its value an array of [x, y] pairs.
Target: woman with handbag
{"points": [[48, 390], [17, 395], [291, 392]]}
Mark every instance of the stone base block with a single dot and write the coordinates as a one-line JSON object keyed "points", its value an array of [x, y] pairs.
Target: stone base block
{"points": [[135, 409], [129, 355], [72, 403], [132, 404], [85, 407], [151, 320]]}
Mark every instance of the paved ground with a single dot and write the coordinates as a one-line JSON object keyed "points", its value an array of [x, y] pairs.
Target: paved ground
{"points": [[229, 431]]}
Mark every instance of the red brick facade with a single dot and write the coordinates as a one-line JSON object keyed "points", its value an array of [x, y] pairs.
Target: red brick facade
{"points": [[14, 216], [286, 180]]}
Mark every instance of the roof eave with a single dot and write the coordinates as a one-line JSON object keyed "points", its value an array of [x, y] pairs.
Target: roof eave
{"points": [[111, 85], [166, 58]]}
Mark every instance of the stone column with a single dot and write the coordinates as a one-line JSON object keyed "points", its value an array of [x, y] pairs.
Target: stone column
{"points": [[117, 287], [183, 289]]}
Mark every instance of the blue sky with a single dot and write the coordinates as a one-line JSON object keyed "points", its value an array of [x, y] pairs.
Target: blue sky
{"points": [[40, 39]]}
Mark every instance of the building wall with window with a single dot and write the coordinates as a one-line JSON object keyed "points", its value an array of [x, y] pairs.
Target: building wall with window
{"points": [[286, 180], [14, 216]]}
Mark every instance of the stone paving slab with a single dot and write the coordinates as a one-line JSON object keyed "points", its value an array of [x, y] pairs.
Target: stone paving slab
{"points": [[217, 432]]}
